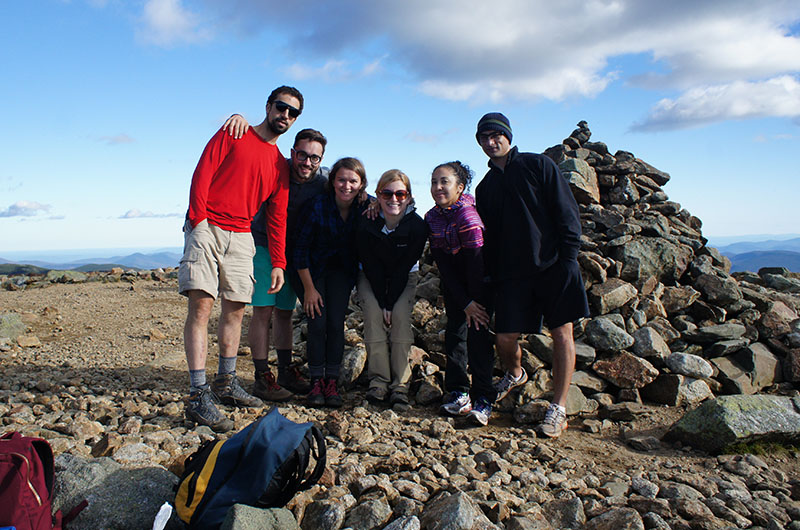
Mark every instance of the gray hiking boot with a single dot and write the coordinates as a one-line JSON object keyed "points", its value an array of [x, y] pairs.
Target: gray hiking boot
{"points": [[229, 392], [202, 410]]}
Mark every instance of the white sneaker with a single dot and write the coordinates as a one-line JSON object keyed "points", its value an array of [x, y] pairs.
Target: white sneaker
{"points": [[555, 421], [457, 404], [509, 383]]}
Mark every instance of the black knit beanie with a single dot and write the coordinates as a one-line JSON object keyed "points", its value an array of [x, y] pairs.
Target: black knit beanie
{"points": [[494, 121]]}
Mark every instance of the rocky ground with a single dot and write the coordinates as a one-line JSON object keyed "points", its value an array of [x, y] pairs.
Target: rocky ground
{"points": [[100, 370], [95, 365]]}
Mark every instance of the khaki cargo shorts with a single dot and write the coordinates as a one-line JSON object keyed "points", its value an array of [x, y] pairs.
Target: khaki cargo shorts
{"points": [[217, 261]]}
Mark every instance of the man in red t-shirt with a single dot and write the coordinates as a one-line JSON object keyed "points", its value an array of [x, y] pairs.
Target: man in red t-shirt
{"points": [[232, 179]]}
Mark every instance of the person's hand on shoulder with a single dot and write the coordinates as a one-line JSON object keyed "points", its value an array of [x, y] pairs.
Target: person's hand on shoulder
{"points": [[236, 126]]}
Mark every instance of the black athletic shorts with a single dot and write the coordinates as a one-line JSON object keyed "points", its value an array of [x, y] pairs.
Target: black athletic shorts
{"points": [[555, 295]]}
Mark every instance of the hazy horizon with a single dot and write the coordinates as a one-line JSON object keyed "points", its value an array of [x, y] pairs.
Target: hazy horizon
{"points": [[68, 255]]}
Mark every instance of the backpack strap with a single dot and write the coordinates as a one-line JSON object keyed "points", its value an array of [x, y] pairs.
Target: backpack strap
{"points": [[320, 452]]}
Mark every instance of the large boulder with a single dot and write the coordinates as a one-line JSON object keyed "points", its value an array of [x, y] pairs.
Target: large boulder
{"points": [[626, 370], [652, 256], [582, 180], [611, 295], [605, 334], [11, 326], [119, 498], [721, 422]]}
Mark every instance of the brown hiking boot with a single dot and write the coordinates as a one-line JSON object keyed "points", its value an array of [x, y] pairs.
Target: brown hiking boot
{"points": [[291, 379], [267, 389]]}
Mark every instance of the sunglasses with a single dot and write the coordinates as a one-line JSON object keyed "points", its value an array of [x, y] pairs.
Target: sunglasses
{"points": [[280, 106], [400, 194]]}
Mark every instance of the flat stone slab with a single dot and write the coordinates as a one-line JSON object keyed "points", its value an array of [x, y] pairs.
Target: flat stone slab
{"points": [[719, 423]]}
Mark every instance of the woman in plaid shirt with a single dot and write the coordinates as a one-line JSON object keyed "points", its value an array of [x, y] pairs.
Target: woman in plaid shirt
{"points": [[326, 261]]}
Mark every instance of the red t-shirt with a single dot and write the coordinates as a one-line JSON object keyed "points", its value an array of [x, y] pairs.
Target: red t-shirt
{"points": [[233, 178]]}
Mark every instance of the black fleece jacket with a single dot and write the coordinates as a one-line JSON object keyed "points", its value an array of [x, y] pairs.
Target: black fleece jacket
{"points": [[531, 217], [387, 258]]}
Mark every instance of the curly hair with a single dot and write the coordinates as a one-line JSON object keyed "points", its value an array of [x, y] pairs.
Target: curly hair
{"points": [[462, 172]]}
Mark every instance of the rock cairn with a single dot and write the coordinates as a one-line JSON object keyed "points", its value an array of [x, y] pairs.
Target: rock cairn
{"points": [[670, 326]]}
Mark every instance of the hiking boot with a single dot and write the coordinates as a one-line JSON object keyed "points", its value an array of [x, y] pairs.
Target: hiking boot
{"points": [[555, 421], [481, 412], [291, 379], [509, 383], [398, 398], [376, 395], [316, 398], [267, 389], [456, 404], [229, 392], [331, 393], [202, 410]]}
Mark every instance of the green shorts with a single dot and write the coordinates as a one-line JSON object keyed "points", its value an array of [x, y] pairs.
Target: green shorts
{"points": [[262, 269]]}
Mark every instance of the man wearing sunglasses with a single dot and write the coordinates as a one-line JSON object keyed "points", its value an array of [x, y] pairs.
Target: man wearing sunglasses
{"points": [[307, 180], [232, 180], [532, 239]]}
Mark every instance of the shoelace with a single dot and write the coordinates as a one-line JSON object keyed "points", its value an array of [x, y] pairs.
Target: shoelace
{"points": [[330, 389], [554, 416], [269, 377], [318, 387]]}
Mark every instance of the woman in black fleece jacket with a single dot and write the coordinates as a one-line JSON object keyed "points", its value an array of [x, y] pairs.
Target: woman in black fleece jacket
{"points": [[389, 248]]}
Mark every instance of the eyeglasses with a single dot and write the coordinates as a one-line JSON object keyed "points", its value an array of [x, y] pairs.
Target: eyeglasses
{"points": [[387, 195], [486, 137], [302, 156], [281, 106]]}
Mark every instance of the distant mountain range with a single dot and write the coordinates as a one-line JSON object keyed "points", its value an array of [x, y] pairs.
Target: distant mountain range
{"points": [[753, 255], [744, 255], [137, 260]]}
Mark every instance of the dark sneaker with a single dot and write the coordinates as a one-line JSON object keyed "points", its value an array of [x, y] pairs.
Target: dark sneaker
{"points": [[332, 397], [229, 392], [376, 395], [202, 410], [481, 411], [316, 398], [456, 404], [509, 383], [555, 421], [267, 389], [291, 379]]}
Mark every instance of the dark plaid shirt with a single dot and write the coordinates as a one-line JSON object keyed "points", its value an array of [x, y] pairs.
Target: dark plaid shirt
{"points": [[324, 240]]}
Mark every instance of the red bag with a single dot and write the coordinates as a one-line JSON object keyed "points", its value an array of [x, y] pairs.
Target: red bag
{"points": [[27, 472]]}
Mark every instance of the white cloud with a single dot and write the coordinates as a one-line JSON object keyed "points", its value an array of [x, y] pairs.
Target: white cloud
{"points": [[138, 214], [167, 22], [24, 209], [332, 71], [117, 139], [433, 139], [740, 100], [477, 51]]}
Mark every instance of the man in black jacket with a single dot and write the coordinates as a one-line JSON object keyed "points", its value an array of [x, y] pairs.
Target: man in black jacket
{"points": [[531, 247]]}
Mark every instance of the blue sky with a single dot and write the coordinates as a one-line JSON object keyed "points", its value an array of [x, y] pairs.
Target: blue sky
{"points": [[107, 104]]}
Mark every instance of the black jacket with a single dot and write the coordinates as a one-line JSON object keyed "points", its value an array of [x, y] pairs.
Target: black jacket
{"points": [[531, 217], [387, 258]]}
